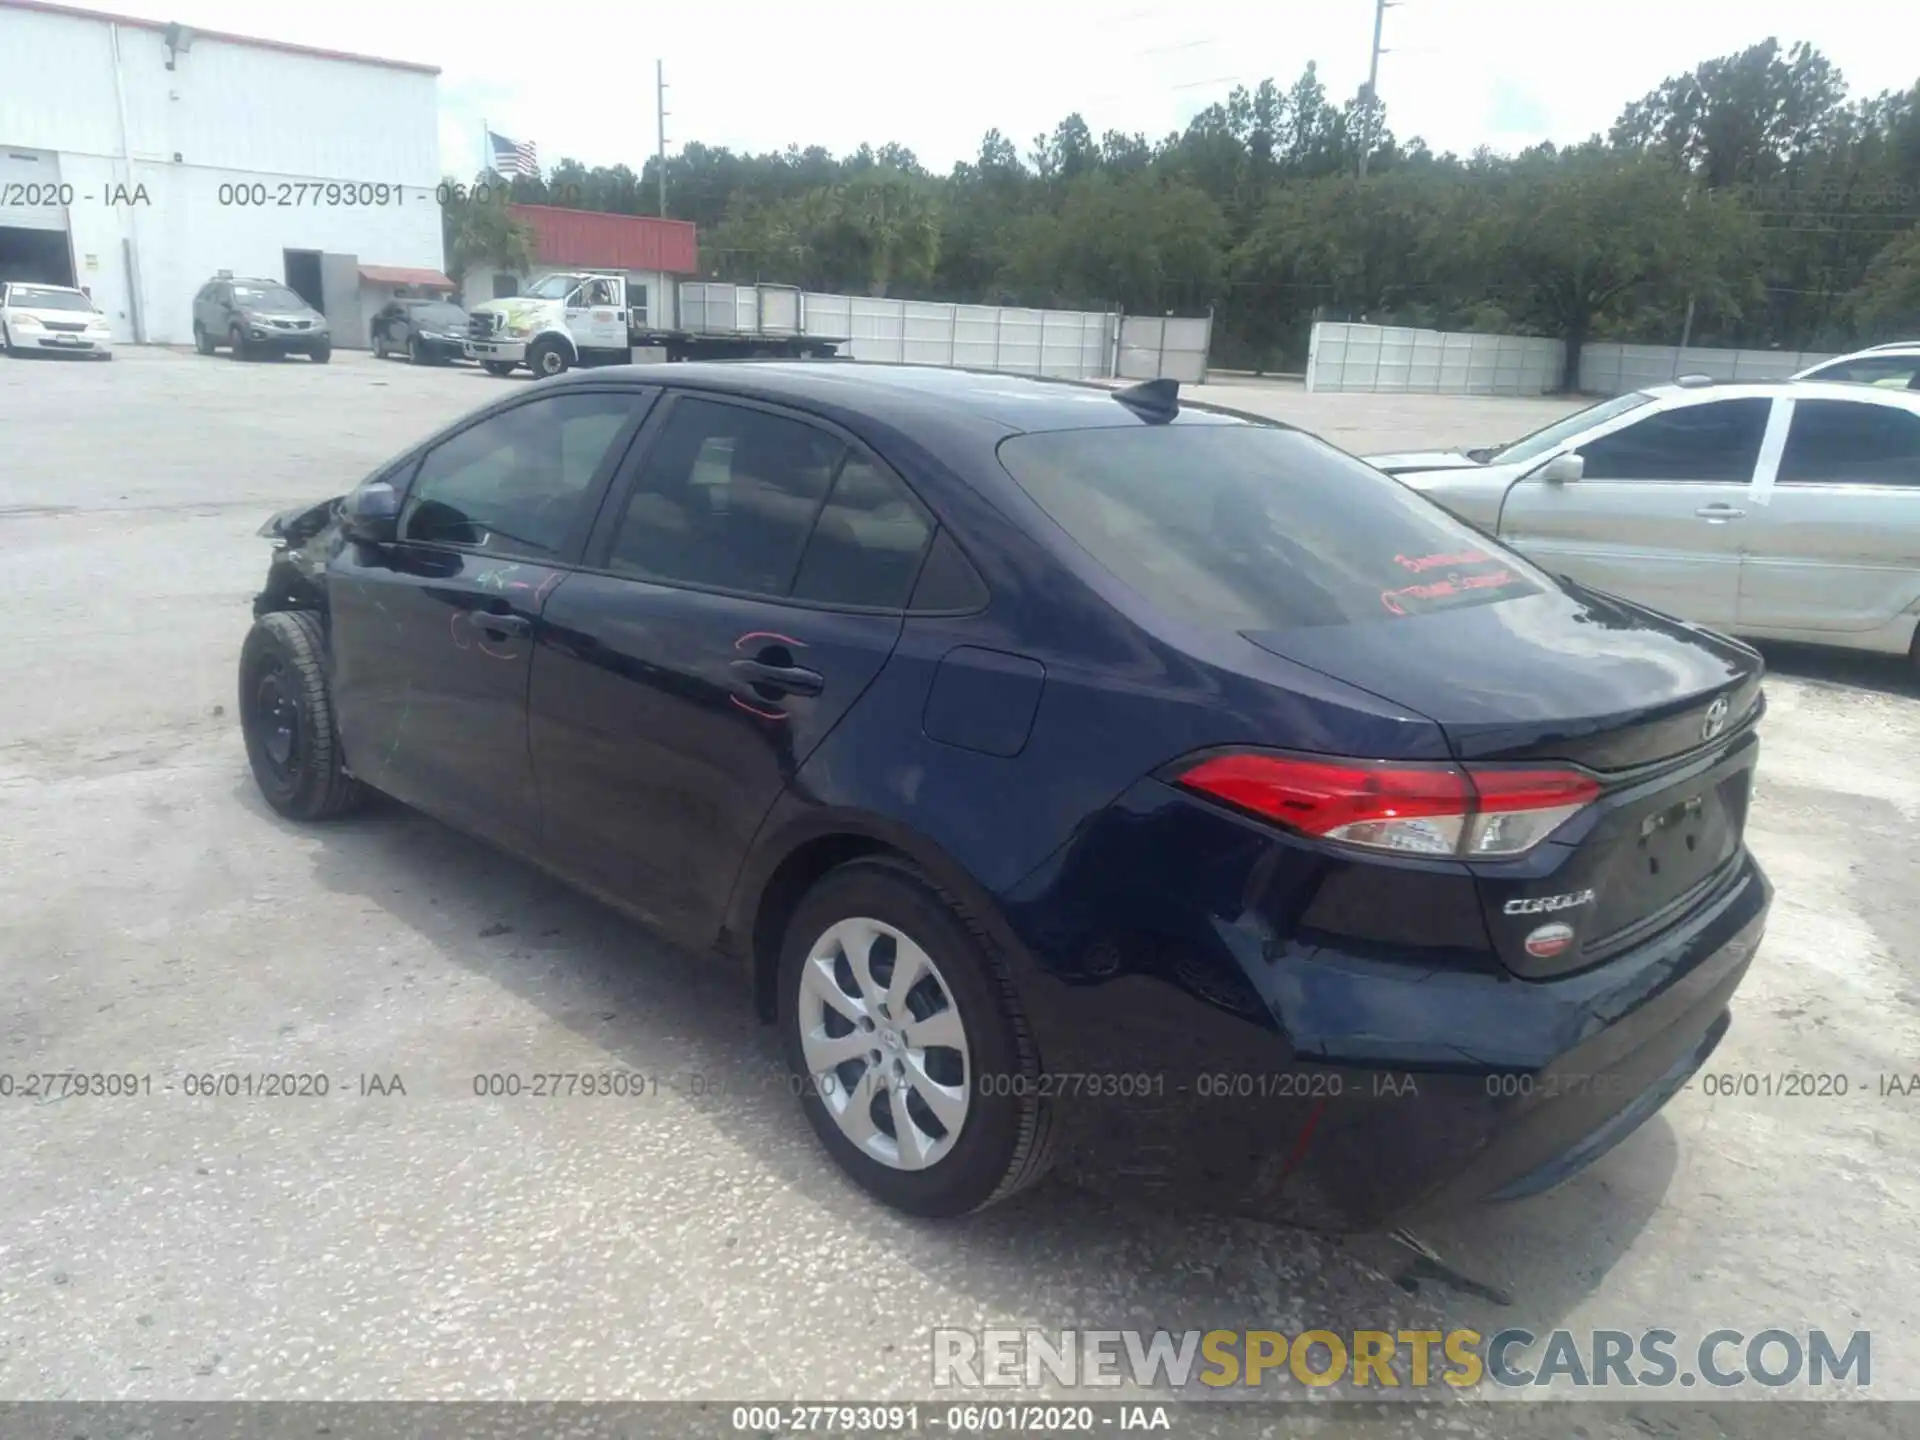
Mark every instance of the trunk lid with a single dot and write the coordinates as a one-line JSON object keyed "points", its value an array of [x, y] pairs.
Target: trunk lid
{"points": [[1663, 714]]}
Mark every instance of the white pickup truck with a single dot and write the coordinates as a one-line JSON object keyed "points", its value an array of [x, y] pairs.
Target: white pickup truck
{"points": [[583, 318]]}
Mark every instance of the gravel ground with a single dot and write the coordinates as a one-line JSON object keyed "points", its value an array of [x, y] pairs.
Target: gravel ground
{"points": [[410, 1241]]}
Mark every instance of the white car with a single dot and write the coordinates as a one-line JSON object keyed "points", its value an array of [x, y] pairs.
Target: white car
{"points": [[1783, 510], [56, 318], [1891, 367]]}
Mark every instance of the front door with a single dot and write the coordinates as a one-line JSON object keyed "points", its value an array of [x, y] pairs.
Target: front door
{"points": [[433, 635], [596, 315], [738, 597], [1659, 515], [1836, 548]]}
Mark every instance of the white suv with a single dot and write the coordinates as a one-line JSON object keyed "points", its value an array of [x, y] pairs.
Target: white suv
{"points": [[54, 318]]}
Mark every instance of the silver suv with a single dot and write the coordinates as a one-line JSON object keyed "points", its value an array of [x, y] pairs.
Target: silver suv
{"points": [[257, 318]]}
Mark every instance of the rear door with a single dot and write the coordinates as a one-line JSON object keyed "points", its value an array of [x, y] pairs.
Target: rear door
{"points": [[1660, 514], [433, 636], [745, 584], [1836, 550]]}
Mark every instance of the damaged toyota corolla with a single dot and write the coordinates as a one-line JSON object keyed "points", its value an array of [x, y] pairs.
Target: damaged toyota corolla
{"points": [[1081, 779]]}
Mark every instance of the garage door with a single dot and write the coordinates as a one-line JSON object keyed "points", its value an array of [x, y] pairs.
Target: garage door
{"points": [[30, 191]]}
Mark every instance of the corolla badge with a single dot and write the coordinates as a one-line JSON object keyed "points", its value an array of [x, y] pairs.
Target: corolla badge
{"points": [[1546, 904], [1716, 719]]}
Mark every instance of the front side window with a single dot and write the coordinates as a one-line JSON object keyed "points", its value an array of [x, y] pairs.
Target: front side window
{"points": [[1715, 441], [1841, 442], [516, 484], [1250, 527], [727, 498]]}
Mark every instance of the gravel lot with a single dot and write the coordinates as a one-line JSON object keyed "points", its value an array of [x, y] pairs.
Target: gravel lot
{"points": [[157, 919]]}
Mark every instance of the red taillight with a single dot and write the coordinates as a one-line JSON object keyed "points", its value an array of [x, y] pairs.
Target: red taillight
{"points": [[1419, 809]]}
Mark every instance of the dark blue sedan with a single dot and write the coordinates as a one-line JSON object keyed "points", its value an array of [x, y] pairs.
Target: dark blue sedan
{"points": [[1082, 778]]}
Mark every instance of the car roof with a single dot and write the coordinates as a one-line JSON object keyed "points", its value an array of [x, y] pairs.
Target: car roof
{"points": [[38, 285], [1018, 403]]}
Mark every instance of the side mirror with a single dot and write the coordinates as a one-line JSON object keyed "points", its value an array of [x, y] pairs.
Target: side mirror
{"points": [[1562, 469], [371, 514]]}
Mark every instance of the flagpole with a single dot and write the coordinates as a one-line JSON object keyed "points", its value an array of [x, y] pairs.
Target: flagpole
{"points": [[486, 152]]}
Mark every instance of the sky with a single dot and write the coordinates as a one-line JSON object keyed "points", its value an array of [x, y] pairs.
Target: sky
{"points": [[577, 77]]}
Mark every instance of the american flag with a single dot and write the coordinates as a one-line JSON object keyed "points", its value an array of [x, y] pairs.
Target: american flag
{"points": [[512, 159]]}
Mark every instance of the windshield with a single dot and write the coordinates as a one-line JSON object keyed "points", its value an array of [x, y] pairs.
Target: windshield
{"points": [[1248, 527], [1561, 431], [439, 314], [267, 297], [34, 297], [554, 287]]}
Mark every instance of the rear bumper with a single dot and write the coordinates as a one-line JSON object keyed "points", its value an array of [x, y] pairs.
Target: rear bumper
{"points": [[1293, 1078]]}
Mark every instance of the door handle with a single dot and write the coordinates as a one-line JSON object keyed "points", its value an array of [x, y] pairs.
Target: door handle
{"points": [[1718, 511], [503, 626], [785, 679]]}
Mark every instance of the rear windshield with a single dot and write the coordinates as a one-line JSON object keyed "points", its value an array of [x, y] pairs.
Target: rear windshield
{"points": [[1256, 528]]}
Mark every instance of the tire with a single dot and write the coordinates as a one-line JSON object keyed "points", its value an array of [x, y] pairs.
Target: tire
{"points": [[501, 368], [320, 354], [547, 358], [202, 341], [237, 338], [285, 706], [1001, 1142]]}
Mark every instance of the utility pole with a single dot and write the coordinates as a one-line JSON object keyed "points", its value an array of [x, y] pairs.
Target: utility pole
{"points": [[660, 92], [1371, 93]]}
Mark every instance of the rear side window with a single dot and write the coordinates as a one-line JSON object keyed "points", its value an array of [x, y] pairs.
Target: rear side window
{"points": [[866, 546], [1256, 528], [1715, 441], [1841, 442]]}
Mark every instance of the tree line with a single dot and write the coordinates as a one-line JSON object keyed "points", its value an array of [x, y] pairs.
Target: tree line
{"points": [[1753, 190]]}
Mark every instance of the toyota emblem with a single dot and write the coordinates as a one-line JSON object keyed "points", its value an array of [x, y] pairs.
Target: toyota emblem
{"points": [[1716, 719]]}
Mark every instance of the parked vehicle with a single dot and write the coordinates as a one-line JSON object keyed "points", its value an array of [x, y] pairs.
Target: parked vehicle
{"points": [[1892, 367], [56, 319], [587, 319], [427, 332], [1077, 775], [258, 318], [1788, 510]]}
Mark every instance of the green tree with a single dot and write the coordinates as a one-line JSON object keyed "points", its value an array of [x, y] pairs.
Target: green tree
{"points": [[1576, 239], [477, 233]]}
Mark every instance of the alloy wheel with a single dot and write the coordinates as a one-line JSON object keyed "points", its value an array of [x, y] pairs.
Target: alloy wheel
{"points": [[884, 1044]]}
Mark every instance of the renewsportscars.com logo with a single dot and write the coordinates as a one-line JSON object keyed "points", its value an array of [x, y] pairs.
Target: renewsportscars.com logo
{"points": [[1389, 1359]]}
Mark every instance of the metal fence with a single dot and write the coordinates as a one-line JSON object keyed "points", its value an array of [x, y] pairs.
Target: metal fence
{"points": [[1068, 344], [1152, 347], [1343, 356], [1609, 369]]}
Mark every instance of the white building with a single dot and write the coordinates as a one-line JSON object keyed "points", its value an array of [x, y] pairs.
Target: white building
{"points": [[139, 159]]}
